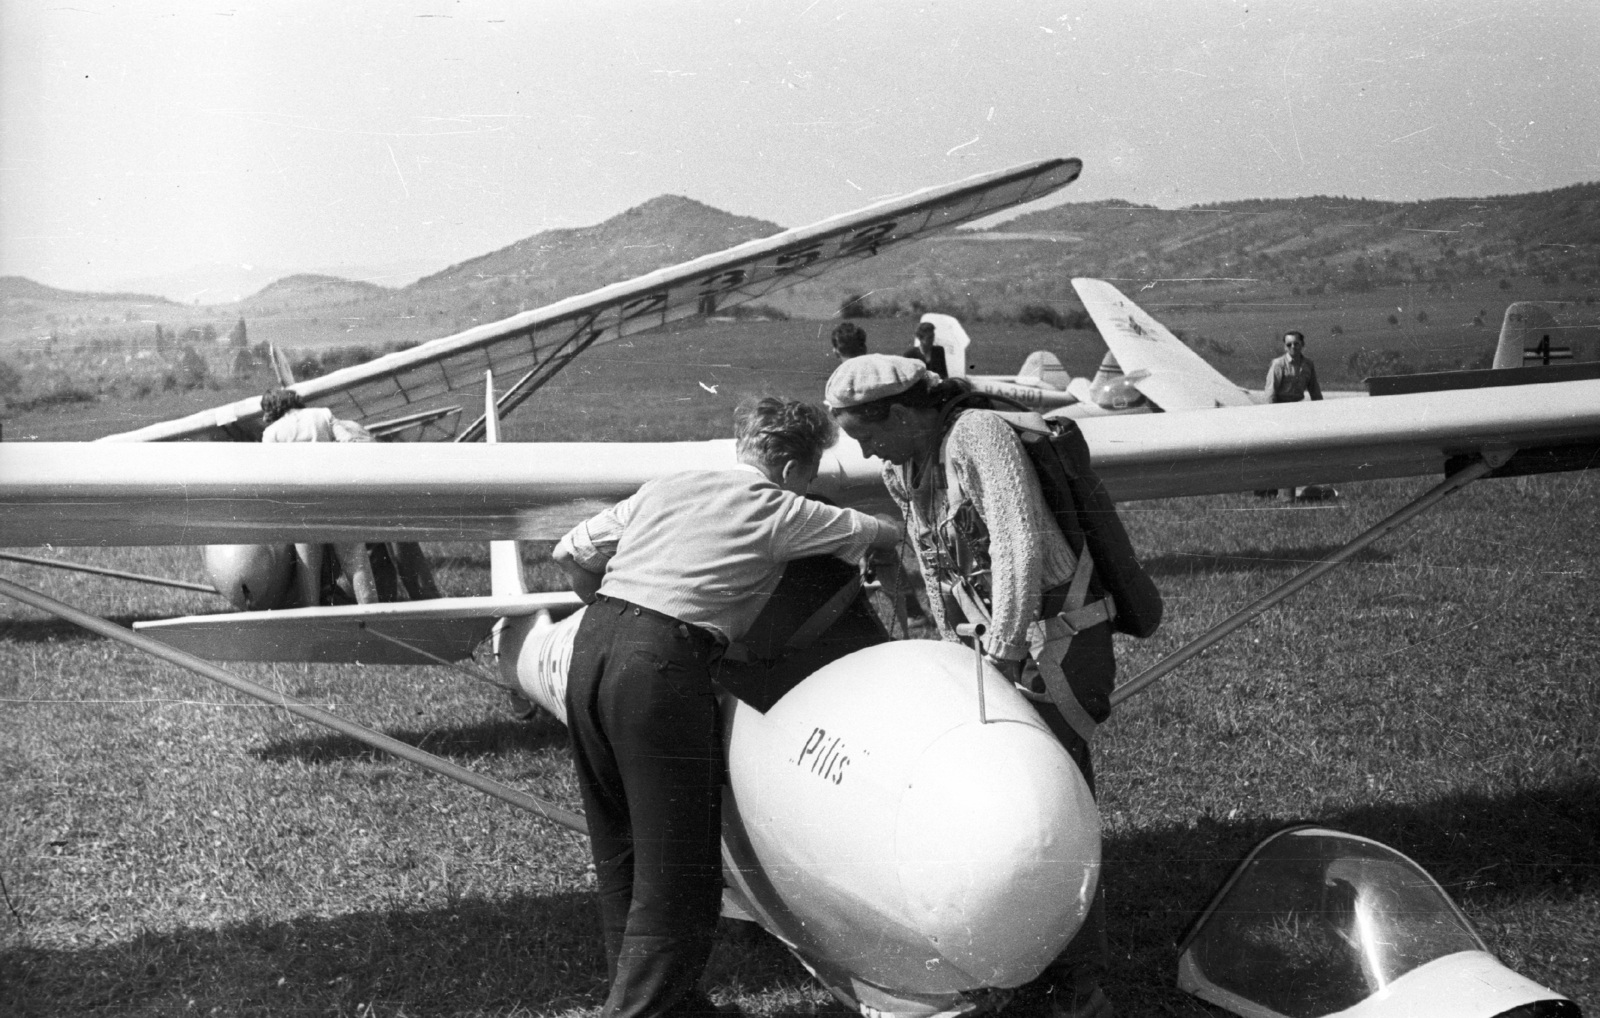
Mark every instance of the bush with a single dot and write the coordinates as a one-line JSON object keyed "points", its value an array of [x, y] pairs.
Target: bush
{"points": [[1040, 314], [10, 379], [854, 306], [192, 370]]}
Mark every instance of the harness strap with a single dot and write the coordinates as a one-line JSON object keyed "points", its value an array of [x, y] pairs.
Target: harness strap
{"points": [[1047, 642], [1049, 638]]}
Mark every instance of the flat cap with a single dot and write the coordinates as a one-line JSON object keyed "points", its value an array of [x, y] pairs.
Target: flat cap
{"points": [[872, 376]]}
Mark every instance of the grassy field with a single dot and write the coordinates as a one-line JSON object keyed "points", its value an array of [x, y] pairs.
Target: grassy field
{"points": [[168, 849], [657, 385]]}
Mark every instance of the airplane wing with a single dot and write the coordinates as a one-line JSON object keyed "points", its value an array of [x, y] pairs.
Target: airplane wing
{"points": [[399, 633], [1170, 374], [211, 493], [531, 347]]}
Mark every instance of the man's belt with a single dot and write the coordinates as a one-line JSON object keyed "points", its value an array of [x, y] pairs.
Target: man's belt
{"points": [[686, 629]]}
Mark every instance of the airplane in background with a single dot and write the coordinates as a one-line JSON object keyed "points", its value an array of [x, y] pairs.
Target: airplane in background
{"points": [[1530, 336], [1146, 368]]}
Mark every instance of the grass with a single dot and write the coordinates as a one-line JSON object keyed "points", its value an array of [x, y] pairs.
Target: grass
{"points": [[168, 849]]}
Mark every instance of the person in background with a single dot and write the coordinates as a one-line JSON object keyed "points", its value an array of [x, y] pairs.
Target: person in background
{"points": [[849, 340], [924, 349], [673, 575], [1291, 377], [288, 419]]}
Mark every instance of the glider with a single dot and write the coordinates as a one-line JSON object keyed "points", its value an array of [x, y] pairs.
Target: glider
{"points": [[887, 910], [894, 745], [1146, 367], [533, 346]]}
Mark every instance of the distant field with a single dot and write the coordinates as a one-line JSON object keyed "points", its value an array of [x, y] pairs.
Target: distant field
{"points": [[167, 849], [647, 387]]}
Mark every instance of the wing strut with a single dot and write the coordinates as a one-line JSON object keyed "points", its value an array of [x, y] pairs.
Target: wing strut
{"points": [[1487, 462], [79, 567], [377, 740]]}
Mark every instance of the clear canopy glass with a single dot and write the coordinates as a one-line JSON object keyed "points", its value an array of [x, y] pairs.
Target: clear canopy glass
{"points": [[1315, 921]]}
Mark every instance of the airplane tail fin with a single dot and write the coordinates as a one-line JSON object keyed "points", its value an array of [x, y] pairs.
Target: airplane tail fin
{"points": [[1043, 369], [280, 366], [1531, 337], [1108, 372], [505, 557], [949, 335]]}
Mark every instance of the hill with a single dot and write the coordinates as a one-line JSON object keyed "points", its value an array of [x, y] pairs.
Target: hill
{"points": [[1202, 255], [1307, 246], [296, 293]]}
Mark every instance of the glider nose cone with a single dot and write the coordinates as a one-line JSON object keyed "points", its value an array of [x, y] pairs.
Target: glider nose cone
{"points": [[999, 845], [253, 577]]}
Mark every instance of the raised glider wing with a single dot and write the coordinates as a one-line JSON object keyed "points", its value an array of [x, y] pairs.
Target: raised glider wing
{"points": [[533, 346], [1153, 360], [1146, 366]]}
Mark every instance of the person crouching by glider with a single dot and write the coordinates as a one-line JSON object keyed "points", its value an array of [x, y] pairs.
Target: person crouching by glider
{"points": [[993, 550], [672, 575], [288, 419]]}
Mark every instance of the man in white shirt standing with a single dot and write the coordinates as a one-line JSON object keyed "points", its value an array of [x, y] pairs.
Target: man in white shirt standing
{"points": [[673, 575]]}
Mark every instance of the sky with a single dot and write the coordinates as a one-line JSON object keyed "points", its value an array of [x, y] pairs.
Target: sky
{"points": [[392, 138]]}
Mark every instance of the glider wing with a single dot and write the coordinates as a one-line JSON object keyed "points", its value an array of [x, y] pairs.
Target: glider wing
{"points": [[214, 493], [1166, 371], [531, 347]]}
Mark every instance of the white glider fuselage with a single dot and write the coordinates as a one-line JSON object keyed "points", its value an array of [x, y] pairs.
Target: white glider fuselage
{"points": [[906, 846]]}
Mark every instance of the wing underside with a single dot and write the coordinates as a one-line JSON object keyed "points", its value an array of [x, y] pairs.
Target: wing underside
{"points": [[402, 633], [95, 494], [529, 348]]}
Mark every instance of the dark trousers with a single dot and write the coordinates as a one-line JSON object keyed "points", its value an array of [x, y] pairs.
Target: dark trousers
{"points": [[647, 743]]}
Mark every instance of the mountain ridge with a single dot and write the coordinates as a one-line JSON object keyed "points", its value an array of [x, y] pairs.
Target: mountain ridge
{"points": [[1313, 244]]}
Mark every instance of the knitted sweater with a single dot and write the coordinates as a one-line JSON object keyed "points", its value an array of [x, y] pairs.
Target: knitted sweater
{"points": [[1026, 552]]}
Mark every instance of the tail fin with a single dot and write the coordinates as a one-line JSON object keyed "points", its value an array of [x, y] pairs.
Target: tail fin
{"points": [[280, 366], [505, 557], [1529, 338], [1110, 371], [1043, 369], [952, 338]]}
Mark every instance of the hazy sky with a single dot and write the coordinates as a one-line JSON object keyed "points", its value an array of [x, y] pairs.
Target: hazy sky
{"points": [[149, 136]]}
